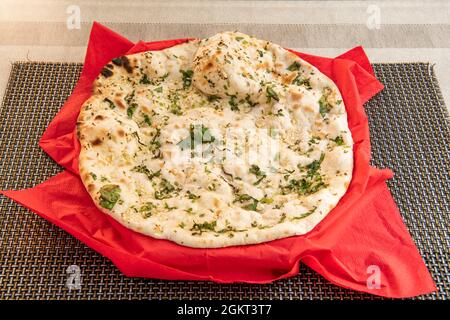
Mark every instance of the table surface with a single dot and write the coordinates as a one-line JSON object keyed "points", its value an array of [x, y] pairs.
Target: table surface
{"points": [[390, 31], [410, 31]]}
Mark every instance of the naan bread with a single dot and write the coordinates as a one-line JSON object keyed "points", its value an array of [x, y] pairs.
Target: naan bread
{"points": [[229, 140]]}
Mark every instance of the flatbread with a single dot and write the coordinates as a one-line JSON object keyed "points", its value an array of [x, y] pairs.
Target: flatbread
{"points": [[229, 140]]}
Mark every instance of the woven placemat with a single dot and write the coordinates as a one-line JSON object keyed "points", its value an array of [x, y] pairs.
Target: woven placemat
{"points": [[410, 134]]}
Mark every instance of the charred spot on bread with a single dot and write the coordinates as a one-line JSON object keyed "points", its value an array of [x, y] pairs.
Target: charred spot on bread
{"points": [[124, 62], [296, 95], [96, 142], [120, 103], [208, 66], [117, 61], [288, 78], [106, 72]]}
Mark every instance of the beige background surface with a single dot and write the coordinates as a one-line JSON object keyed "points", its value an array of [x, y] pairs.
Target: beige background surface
{"points": [[409, 31]]}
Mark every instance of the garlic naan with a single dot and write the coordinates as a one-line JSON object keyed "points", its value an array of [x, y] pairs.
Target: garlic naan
{"points": [[229, 140]]}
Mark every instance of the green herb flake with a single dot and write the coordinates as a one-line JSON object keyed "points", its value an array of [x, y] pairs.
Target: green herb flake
{"points": [[260, 175], [339, 140], [243, 197], [187, 78], [199, 228], [192, 196], [155, 145], [250, 102], [266, 200], [279, 113], [143, 169], [311, 183], [146, 210], [164, 76], [145, 80], [271, 94], [109, 195], [129, 98], [212, 186], [324, 105], [299, 81], [136, 135], [314, 166], [169, 208], [147, 120], [93, 175], [230, 230], [213, 97], [295, 66], [165, 190], [176, 109], [307, 214], [131, 110], [233, 103], [249, 203], [110, 103]]}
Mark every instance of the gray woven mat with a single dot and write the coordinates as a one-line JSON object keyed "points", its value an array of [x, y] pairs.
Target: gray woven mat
{"points": [[409, 131]]}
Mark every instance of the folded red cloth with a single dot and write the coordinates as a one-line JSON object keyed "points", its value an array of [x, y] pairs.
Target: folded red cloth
{"points": [[362, 244]]}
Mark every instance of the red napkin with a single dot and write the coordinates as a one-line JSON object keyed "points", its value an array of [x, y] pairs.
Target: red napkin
{"points": [[364, 234]]}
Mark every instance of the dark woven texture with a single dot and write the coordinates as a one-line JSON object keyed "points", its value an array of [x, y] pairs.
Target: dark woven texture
{"points": [[410, 134]]}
